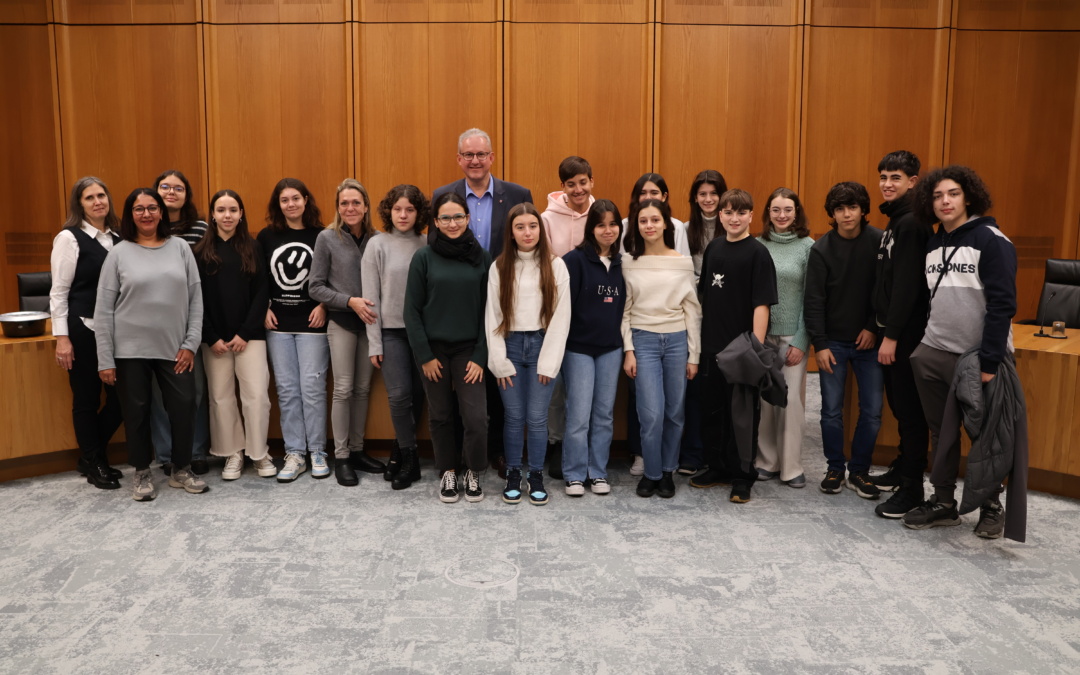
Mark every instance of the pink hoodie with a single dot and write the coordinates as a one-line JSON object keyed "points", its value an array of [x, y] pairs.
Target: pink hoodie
{"points": [[565, 226]]}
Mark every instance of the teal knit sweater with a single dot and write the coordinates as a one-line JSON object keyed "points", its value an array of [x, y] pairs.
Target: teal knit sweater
{"points": [[789, 253]]}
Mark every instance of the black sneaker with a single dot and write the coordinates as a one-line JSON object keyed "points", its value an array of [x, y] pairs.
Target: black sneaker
{"points": [[646, 487], [860, 483], [554, 457], [740, 492], [931, 514], [688, 469], [537, 494], [991, 521], [512, 491], [901, 501], [833, 483], [167, 468], [200, 467], [710, 478], [473, 491], [448, 488], [666, 487], [890, 480]]}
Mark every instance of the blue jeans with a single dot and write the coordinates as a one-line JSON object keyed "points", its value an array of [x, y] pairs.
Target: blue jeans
{"points": [[161, 431], [404, 390], [299, 361], [661, 392], [591, 383], [871, 382], [526, 403]]}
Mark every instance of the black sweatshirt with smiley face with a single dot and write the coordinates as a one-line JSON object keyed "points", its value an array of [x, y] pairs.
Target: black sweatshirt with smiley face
{"points": [[287, 257]]}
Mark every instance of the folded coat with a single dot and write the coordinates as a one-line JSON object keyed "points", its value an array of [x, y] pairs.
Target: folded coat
{"points": [[754, 369]]}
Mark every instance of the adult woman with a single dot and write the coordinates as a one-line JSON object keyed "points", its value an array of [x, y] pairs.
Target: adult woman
{"points": [[148, 323], [444, 319], [785, 232], [526, 318], [184, 222], [661, 326], [385, 273], [79, 251], [235, 295], [593, 349], [335, 282], [296, 327]]}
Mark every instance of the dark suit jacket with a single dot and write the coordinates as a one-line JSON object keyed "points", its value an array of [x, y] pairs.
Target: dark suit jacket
{"points": [[506, 196]]}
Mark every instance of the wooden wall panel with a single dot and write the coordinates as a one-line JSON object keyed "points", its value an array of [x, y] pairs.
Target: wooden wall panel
{"points": [[736, 115], [30, 172], [24, 11], [278, 104], [855, 110], [578, 90], [1017, 14], [126, 11], [880, 13], [121, 119], [580, 11], [412, 101], [1013, 119], [277, 11], [424, 11], [730, 12]]}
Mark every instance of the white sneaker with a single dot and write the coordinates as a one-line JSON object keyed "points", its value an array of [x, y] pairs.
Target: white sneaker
{"points": [[183, 478], [600, 486], [575, 488], [233, 466], [265, 467], [319, 467], [638, 469], [142, 489], [294, 466]]}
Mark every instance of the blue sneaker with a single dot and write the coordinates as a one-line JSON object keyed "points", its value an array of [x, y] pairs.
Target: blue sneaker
{"points": [[294, 466], [537, 494], [512, 491], [319, 467]]}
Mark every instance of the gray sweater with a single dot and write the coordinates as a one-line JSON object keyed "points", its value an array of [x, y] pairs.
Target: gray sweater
{"points": [[335, 275], [149, 303], [385, 272]]}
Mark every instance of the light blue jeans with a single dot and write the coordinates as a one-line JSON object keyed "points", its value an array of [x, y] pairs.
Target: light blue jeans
{"points": [[526, 403], [661, 393], [161, 432], [591, 383], [299, 361]]}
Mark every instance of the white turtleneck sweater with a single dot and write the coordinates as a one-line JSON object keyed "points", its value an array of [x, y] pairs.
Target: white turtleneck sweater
{"points": [[528, 301], [661, 298]]}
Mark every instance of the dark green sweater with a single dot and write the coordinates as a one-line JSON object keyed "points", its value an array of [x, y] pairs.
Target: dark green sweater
{"points": [[444, 302]]}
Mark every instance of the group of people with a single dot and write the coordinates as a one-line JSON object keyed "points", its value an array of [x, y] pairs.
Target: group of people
{"points": [[514, 324]]}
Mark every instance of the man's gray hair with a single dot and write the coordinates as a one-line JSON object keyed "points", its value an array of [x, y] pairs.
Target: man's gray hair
{"points": [[469, 133]]}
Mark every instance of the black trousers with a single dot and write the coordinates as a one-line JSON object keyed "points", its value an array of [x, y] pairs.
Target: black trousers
{"points": [[717, 424], [903, 397], [471, 401], [94, 423], [133, 382]]}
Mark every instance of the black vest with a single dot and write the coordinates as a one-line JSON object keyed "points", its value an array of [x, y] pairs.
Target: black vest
{"points": [[82, 297]]}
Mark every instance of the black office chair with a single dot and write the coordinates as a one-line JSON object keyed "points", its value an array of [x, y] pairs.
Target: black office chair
{"points": [[1060, 299], [34, 290]]}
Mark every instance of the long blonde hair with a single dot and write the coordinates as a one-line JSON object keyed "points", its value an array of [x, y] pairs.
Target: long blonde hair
{"points": [[365, 223]]}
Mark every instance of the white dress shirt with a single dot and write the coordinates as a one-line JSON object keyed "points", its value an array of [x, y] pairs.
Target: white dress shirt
{"points": [[65, 255]]}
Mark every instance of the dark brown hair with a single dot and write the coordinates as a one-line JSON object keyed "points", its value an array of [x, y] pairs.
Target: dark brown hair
{"points": [[695, 227], [976, 194], [275, 217], [597, 211], [635, 243], [128, 231], [504, 265], [76, 213], [415, 197], [189, 213], [800, 226], [241, 240]]}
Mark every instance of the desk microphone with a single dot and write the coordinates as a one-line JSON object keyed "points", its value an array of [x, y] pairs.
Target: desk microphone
{"points": [[1042, 312]]}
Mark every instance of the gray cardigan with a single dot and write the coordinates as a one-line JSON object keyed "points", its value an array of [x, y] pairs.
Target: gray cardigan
{"points": [[335, 275]]}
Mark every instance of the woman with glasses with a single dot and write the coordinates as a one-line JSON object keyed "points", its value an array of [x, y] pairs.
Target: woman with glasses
{"points": [[444, 319], [336, 282], [184, 222], [148, 324]]}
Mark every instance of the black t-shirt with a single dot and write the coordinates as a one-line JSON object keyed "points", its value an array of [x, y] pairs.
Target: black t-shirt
{"points": [[735, 278], [288, 262]]}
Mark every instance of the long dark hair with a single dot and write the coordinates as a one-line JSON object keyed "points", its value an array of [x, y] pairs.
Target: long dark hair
{"points": [[639, 186], [597, 211], [189, 213], [695, 227], [128, 231], [76, 212], [241, 240], [504, 265], [275, 217], [635, 243], [800, 226]]}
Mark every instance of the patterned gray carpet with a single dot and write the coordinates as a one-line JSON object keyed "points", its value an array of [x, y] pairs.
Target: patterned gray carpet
{"points": [[311, 577]]}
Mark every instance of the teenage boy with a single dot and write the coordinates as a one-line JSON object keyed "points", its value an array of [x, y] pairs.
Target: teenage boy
{"points": [[564, 221], [840, 321], [971, 273], [900, 303], [737, 285]]}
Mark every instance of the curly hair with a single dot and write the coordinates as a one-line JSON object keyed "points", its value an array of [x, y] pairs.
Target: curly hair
{"points": [[847, 193], [415, 197], [976, 194]]}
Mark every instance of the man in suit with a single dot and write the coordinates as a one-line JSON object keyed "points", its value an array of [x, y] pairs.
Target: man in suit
{"points": [[489, 200]]}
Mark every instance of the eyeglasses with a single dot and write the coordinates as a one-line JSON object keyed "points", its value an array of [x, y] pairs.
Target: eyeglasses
{"points": [[458, 218], [178, 189], [140, 210], [470, 156]]}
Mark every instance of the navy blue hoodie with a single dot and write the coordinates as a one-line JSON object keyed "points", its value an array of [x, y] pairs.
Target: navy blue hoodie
{"points": [[597, 296]]}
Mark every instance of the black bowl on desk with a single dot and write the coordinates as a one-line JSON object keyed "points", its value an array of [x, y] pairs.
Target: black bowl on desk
{"points": [[23, 324]]}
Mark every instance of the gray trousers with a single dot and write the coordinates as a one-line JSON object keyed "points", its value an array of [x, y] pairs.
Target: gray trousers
{"points": [[352, 386]]}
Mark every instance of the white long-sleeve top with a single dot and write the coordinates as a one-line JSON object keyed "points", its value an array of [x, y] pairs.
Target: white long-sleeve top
{"points": [[661, 298], [64, 258], [528, 301]]}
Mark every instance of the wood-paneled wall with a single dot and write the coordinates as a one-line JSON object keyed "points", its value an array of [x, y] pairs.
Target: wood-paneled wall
{"points": [[801, 93]]}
